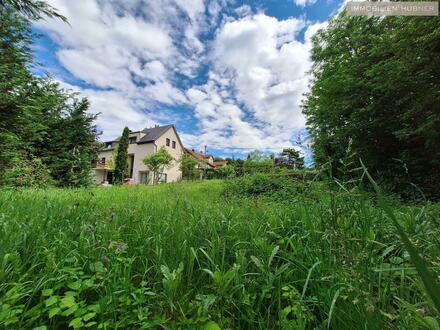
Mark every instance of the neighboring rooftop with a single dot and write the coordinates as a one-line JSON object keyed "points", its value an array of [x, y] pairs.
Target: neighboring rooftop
{"points": [[197, 155], [205, 158]]}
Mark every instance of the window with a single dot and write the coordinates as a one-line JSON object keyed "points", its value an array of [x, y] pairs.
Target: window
{"points": [[108, 145], [103, 160], [168, 142], [162, 178], [133, 140], [174, 144], [145, 177]]}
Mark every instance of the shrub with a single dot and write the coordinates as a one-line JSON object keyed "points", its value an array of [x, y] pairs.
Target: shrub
{"points": [[260, 184]]}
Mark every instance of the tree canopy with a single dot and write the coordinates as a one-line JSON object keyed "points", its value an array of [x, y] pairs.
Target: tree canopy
{"points": [[157, 162], [47, 136], [375, 94], [188, 167]]}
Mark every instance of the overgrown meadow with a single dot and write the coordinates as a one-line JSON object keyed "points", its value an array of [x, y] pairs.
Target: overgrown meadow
{"points": [[246, 254]]}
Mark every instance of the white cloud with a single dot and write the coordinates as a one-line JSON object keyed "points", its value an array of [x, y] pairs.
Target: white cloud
{"points": [[258, 75], [133, 53], [303, 3], [129, 49]]}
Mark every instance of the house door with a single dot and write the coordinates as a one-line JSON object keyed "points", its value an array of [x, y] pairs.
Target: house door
{"points": [[110, 177]]}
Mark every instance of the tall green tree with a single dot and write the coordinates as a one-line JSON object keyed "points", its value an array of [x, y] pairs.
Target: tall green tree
{"points": [[47, 135], [121, 161], [291, 158], [376, 92], [157, 162]]}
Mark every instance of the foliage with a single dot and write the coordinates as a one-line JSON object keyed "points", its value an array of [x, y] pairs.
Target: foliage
{"points": [[225, 172], [188, 167], [47, 135], [275, 187], [24, 172], [323, 258], [376, 85], [290, 158], [237, 164], [258, 156], [157, 162], [121, 160], [33, 9], [222, 172]]}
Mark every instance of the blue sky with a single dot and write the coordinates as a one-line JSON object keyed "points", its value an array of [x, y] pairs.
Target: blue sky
{"points": [[229, 74]]}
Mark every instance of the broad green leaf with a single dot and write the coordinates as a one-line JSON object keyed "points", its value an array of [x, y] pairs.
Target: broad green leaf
{"points": [[211, 325], [54, 311], [47, 292], [51, 300], [68, 302], [74, 285], [76, 323], [88, 316]]}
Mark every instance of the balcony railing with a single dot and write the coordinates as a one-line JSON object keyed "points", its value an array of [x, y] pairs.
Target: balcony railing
{"points": [[98, 164]]}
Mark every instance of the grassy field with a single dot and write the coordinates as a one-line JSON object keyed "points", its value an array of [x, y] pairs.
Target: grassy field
{"points": [[183, 256]]}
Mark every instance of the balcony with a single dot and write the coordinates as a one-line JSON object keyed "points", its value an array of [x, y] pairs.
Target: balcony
{"points": [[101, 165]]}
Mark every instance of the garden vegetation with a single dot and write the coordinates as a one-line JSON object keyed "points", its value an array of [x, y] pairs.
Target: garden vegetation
{"points": [[257, 253], [272, 245]]}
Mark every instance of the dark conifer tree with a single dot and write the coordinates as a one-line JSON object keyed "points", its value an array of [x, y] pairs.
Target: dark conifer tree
{"points": [[121, 161]]}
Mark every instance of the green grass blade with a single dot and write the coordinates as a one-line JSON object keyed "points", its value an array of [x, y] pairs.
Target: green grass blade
{"points": [[432, 288]]}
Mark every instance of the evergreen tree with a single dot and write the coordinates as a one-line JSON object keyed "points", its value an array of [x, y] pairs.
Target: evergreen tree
{"points": [[121, 161], [47, 136], [291, 158]]}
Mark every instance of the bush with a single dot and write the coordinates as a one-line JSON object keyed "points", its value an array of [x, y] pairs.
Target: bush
{"points": [[26, 173], [276, 187]]}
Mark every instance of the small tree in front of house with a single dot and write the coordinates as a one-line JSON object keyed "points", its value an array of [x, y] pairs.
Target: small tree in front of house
{"points": [[157, 162], [188, 167], [121, 161]]}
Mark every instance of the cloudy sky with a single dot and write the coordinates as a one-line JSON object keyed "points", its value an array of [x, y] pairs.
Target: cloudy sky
{"points": [[229, 74]]}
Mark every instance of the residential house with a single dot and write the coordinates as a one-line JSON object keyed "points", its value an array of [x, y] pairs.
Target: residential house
{"points": [[141, 144], [204, 161]]}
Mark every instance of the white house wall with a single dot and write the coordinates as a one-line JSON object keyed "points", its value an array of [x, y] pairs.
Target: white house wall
{"points": [[140, 151]]}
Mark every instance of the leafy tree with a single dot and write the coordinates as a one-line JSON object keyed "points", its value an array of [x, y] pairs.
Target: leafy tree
{"points": [[237, 164], [376, 86], [258, 156], [291, 158], [121, 161], [188, 167], [157, 162], [258, 161], [225, 172]]}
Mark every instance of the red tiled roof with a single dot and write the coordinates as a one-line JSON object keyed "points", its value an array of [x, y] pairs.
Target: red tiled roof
{"points": [[204, 158], [196, 154], [218, 164]]}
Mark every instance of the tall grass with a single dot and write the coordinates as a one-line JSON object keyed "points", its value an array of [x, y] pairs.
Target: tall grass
{"points": [[184, 256]]}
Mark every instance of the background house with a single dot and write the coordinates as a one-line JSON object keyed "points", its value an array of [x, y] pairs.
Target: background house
{"points": [[205, 161], [142, 143]]}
